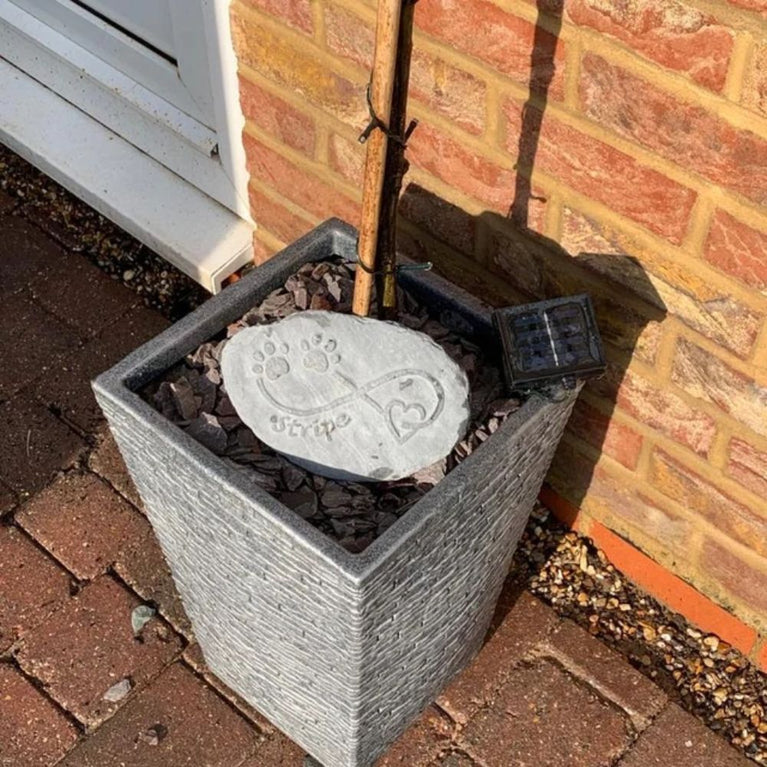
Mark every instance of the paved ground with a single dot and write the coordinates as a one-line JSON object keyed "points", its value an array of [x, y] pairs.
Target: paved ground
{"points": [[78, 688]]}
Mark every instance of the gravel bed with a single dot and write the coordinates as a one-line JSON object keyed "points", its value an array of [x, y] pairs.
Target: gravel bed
{"points": [[704, 674], [193, 396], [80, 229]]}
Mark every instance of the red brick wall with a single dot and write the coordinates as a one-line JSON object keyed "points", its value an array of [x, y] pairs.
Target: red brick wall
{"points": [[610, 147]]}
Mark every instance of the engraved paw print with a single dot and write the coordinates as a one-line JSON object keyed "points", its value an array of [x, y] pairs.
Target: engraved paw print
{"points": [[319, 353], [271, 363]]}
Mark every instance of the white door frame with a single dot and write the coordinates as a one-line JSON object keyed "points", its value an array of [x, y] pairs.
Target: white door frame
{"points": [[209, 159]]}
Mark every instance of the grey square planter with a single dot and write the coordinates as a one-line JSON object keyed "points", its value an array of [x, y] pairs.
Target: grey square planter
{"points": [[340, 651]]}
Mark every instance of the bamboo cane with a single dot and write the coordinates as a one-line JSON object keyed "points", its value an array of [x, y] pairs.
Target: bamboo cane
{"points": [[381, 88], [396, 168]]}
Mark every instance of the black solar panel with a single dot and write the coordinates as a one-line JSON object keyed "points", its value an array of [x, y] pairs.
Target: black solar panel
{"points": [[550, 340]]}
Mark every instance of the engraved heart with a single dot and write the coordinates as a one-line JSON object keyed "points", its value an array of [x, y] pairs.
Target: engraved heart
{"points": [[405, 420]]}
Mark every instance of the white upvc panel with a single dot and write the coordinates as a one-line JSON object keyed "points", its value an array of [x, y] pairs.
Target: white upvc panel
{"points": [[212, 161], [148, 20], [121, 52], [185, 226]]}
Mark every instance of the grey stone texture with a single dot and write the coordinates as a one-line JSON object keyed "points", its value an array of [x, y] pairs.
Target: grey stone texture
{"points": [[347, 397], [340, 651]]}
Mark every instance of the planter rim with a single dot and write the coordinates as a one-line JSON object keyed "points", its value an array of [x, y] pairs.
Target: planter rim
{"points": [[119, 385]]}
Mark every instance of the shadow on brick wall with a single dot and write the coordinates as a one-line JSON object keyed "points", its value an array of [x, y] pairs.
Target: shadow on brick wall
{"points": [[506, 261]]}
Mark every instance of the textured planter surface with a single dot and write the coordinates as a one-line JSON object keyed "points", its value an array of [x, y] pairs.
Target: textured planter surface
{"points": [[340, 651]]}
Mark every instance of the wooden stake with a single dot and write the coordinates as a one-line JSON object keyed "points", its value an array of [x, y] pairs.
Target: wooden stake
{"points": [[396, 168], [381, 88]]}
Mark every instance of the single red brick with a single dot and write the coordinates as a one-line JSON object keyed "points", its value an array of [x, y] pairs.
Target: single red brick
{"points": [[698, 495], [38, 339], [347, 158], [68, 277], [441, 219], [519, 628], [83, 522], [295, 66], [179, 720], [447, 159], [738, 249], [616, 439], [664, 411], [143, 567], [739, 578], [88, 646], [544, 717], [422, 742], [754, 93], [33, 732], [277, 117], [31, 586], [301, 187], [748, 465], [520, 259], [349, 35], [512, 46], [607, 672], [449, 91], [678, 739], [685, 133], [700, 303], [621, 504], [107, 462], [35, 445], [601, 172], [672, 33], [275, 217], [710, 379], [295, 13], [25, 254], [70, 393]]}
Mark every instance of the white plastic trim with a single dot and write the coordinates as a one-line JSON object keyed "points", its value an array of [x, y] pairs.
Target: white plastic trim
{"points": [[192, 231]]}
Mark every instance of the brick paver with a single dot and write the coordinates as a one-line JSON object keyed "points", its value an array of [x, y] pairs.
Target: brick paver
{"points": [[421, 744], [25, 253], [88, 646], [178, 722], [37, 339], [607, 672], [527, 622], [33, 732], [61, 287], [677, 739], [70, 393], [32, 585], [143, 567], [35, 445], [83, 522], [542, 717], [107, 462]]}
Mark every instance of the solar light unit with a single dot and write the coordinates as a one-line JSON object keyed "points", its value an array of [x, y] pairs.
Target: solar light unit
{"points": [[548, 342]]}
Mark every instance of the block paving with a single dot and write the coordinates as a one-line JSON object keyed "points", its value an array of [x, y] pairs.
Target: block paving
{"points": [[77, 556]]}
